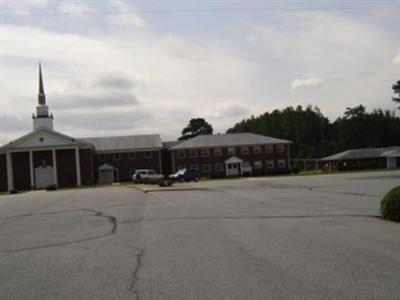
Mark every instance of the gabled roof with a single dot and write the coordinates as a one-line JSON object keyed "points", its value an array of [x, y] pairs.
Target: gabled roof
{"points": [[106, 167], [365, 153], [224, 140], [61, 138], [233, 160], [121, 143]]}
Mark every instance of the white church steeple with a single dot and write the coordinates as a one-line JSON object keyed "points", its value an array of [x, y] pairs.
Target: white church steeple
{"points": [[42, 119]]}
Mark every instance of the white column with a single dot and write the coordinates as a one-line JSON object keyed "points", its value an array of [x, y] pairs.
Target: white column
{"points": [[31, 169], [78, 167], [10, 179], [55, 167]]}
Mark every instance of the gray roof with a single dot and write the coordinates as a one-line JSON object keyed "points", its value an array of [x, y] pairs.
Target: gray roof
{"points": [[225, 140], [128, 142], [170, 144], [365, 153]]}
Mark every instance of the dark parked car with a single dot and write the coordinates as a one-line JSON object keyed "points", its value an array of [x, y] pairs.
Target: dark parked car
{"points": [[186, 175]]}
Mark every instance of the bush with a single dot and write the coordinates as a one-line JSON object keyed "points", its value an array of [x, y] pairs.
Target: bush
{"points": [[14, 191], [52, 187], [390, 205], [165, 182]]}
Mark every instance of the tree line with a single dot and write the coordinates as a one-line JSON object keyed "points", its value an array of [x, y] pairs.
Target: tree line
{"points": [[312, 134]]}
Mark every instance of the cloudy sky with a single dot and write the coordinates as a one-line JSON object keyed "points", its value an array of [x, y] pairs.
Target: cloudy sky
{"points": [[115, 67]]}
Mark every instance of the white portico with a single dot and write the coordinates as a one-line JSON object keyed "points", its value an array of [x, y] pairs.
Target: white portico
{"points": [[43, 150], [234, 166]]}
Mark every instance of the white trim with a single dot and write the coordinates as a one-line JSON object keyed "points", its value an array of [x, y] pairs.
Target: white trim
{"points": [[10, 179], [53, 152], [36, 149], [54, 134], [31, 169], [125, 150], [78, 167]]}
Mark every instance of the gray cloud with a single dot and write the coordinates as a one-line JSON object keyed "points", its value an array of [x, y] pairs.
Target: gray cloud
{"points": [[229, 110], [75, 102], [15, 123], [13, 126], [234, 111], [98, 122], [116, 82]]}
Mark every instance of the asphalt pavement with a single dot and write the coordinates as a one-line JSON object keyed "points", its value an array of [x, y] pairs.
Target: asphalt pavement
{"points": [[311, 237]]}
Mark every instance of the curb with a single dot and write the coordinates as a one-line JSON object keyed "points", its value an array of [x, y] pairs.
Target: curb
{"points": [[167, 189]]}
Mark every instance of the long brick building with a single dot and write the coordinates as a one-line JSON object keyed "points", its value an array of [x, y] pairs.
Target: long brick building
{"points": [[234, 154], [45, 157]]}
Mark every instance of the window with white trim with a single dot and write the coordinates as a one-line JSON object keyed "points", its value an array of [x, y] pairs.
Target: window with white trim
{"points": [[148, 154], [244, 150], [132, 155], [280, 148], [269, 148], [281, 163], [181, 154], [116, 156], [218, 167], [270, 164], [256, 149], [194, 167], [193, 153], [217, 152], [231, 151], [258, 165], [205, 152], [206, 168]]}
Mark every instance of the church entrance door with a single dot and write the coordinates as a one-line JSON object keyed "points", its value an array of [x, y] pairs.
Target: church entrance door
{"points": [[44, 177]]}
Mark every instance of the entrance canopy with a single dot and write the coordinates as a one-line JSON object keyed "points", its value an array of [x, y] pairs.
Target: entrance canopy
{"points": [[234, 160]]}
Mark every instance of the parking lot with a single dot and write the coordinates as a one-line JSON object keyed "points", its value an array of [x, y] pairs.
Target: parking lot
{"points": [[311, 237]]}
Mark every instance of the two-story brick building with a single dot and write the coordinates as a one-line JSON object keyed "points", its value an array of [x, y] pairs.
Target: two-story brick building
{"points": [[234, 154]]}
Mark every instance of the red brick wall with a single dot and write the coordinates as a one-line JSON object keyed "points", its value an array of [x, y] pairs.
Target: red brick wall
{"points": [[40, 156], [126, 166], [3, 173], [251, 157], [21, 171], [66, 168], [86, 159]]}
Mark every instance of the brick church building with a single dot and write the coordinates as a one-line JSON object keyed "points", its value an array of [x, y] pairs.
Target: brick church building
{"points": [[45, 157]]}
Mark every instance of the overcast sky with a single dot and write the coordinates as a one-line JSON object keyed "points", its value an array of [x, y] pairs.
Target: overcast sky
{"points": [[115, 67]]}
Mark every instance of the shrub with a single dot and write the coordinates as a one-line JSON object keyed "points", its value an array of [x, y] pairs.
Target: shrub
{"points": [[390, 205], [165, 182], [52, 187], [14, 191]]}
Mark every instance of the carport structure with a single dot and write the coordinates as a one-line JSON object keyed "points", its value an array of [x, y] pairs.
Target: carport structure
{"points": [[367, 158]]}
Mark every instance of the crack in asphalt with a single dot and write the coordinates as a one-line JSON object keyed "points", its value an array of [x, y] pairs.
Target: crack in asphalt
{"points": [[135, 276], [188, 218], [45, 213], [111, 219]]}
